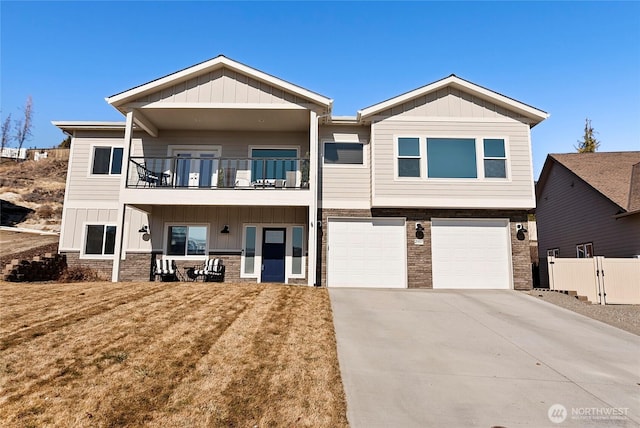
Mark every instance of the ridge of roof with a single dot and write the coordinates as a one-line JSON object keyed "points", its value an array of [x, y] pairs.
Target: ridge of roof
{"points": [[609, 173], [533, 113], [186, 73]]}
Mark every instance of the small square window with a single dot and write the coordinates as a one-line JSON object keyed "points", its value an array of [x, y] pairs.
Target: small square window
{"points": [[344, 153], [495, 159], [187, 240], [409, 157], [100, 239], [555, 252], [584, 251], [107, 160]]}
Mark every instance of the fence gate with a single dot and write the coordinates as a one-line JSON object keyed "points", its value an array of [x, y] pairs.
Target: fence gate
{"points": [[601, 280]]}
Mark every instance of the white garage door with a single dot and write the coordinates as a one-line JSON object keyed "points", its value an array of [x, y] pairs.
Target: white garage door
{"points": [[471, 254], [367, 252]]}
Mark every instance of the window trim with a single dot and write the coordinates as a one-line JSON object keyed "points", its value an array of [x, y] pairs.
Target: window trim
{"points": [[365, 155], [288, 257], [553, 252], [584, 246], [479, 152], [93, 148], [243, 259], [83, 245], [507, 169], [396, 158], [186, 256], [283, 147], [479, 144], [289, 253]]}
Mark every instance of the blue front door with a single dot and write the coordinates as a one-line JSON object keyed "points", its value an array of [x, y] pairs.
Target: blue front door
{"points": [[273, 252]]}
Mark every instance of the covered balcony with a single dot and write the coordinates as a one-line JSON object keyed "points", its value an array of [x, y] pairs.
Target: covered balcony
{"points": [[269, 169]]}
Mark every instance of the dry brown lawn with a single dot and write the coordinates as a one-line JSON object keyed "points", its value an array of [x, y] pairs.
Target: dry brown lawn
{"points": [[168, 355]]}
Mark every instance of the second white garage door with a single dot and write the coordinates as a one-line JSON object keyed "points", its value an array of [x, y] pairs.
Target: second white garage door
{"points": [[471, 254], [368, 252]]}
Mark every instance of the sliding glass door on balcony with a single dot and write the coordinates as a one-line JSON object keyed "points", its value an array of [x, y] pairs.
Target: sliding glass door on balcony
{"points": [[269, 165], [196, 169]]}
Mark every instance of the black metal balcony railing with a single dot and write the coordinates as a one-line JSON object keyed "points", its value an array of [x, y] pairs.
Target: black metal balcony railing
{"points": [[218, 173]]}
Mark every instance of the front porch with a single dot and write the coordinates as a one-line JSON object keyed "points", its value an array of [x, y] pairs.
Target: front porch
{"points": [[256, 244]]}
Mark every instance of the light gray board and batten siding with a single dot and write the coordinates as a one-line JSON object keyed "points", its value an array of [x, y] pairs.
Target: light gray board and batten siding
{"points": [[223, 86], [449, 102], [217, 217], [345, 186], [214, 217], [570, 212], [71, 239], [450, 113], [82, 185]]}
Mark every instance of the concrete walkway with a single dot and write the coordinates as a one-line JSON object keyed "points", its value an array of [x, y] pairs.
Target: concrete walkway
{"points": [[421, 358]]}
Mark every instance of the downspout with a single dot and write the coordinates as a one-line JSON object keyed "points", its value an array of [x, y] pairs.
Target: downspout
{"points": [[316, 205]]}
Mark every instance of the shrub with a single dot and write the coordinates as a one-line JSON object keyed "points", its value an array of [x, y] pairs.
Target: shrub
{"points": [[45, 211], [79, 274]]}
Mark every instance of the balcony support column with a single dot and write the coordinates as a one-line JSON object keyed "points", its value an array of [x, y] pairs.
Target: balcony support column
{"points": [[119, 253], [312, 245]]}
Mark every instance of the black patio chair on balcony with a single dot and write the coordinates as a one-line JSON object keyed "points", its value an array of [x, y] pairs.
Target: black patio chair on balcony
{"points": [[148, 177]]}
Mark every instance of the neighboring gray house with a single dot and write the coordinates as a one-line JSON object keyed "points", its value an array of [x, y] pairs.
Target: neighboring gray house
{"points": [[588, 204], [426, 189]]}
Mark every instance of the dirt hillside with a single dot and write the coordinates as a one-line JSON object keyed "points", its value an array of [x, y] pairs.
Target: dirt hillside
{"points": [[32, 193]]}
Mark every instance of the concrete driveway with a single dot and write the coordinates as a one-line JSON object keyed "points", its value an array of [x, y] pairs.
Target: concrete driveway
{"points": [[420, 358]]}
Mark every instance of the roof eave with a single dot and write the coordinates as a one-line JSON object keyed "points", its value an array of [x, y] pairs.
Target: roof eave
{"points": [[70, 126], [535, 115], [220, 61]]}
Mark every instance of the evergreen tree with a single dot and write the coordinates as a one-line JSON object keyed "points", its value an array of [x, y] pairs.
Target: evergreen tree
{"points": [[589, 144]]}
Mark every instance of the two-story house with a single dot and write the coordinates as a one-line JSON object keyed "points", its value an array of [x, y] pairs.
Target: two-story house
{"points": [[427, 189]]}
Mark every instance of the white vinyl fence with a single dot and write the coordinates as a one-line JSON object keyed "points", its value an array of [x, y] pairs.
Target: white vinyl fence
{"points": [[601, 280]]}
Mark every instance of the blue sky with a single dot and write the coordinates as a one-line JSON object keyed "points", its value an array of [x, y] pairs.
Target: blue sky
{"points": [[571, 59]]}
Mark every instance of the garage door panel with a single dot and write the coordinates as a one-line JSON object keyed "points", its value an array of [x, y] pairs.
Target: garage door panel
{"points": [[366, 253], [470, 253]]}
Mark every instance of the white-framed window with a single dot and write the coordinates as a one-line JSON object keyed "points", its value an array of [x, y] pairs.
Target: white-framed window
{"points": [[584, 251], [408, 157], [495, 158], [451, 158], [249, 251], [297, 251], [554, 252], [99, 240], [341, 153], [107, 160], [187, 240]]}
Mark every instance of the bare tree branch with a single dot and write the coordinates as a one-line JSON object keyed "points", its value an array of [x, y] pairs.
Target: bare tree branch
{"points": [[23, 126], [6, 132]]}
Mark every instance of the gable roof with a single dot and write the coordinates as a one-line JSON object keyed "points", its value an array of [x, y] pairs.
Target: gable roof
{"points": [[615, 175], [206, 67], [533, 114]]}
